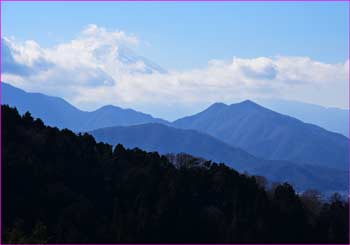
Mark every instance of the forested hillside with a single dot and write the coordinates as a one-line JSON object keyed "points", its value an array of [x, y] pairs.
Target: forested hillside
{"points": [[59, 187]]}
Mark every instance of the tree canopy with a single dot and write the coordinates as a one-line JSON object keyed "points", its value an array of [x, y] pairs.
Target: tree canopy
{"points": [[59, 187]]}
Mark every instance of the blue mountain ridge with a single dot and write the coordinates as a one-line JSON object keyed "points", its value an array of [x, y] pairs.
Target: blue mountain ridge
{"points": [[241, 135], [57, 112], [166, 139], [270, 135], [332, 119]]}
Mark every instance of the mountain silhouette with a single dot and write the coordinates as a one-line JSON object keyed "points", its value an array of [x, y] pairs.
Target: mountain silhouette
{"points": [[57, 112], [245, 136], [270, 135], [332, 119], [165, 139]]}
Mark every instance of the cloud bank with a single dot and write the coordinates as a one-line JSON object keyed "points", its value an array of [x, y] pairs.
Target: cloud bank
{"points": [[98, 68]]}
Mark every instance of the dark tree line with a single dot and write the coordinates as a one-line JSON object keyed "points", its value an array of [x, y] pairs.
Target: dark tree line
{"points": [[59, 187]]}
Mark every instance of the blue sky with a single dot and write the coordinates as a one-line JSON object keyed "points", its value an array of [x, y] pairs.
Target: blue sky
{"points": [[185, 38], [203, 30]]}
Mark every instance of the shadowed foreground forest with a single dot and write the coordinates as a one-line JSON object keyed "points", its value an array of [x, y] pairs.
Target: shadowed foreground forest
{"points": [[59, 187]]}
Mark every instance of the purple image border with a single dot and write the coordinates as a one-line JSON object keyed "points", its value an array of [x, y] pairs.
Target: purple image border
{"points": [[175, 1], [161, 1]]}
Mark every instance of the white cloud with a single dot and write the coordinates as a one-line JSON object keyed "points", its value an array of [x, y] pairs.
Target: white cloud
{"points": [[96, 68]]}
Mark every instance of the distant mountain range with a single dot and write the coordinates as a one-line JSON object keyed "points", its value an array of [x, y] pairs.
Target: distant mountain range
{"points": [[165, 139], [270, 135], [241, 135], [332, 119], [57, 112]]}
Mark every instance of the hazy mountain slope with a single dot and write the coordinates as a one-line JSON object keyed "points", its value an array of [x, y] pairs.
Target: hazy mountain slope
{"points": [[270, 135], [304, 176], [57, 112], [332, 119], [54, 111], [109, 115], [165, 139]]}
